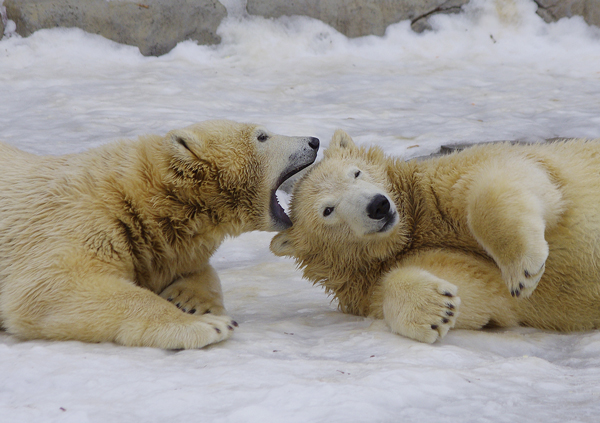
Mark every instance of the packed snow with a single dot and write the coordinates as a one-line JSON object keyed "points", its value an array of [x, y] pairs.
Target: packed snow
{"points": [[494, 72]]}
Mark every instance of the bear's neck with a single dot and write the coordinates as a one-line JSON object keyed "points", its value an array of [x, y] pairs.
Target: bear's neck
{"points": [[424, 191], [181, 209], [168, 233]]}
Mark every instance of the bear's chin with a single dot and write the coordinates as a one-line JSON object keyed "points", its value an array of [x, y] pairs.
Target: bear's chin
{"points": [[389, 223]]}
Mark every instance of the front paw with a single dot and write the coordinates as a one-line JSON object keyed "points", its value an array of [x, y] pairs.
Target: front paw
{"points": [[189, 301], [522, 276], [424, 312]]}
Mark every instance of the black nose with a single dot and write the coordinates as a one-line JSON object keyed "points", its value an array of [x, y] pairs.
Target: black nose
{"points": [[313, 143], [379, 207]]}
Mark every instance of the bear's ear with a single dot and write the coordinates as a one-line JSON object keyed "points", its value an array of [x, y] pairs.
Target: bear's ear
{"points": [[341, 139], [281, 245], [186, 143]]}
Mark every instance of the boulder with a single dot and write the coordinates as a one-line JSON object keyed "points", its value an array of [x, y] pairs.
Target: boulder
{"points": [[154, 26], [355, 18], [553, 10]]}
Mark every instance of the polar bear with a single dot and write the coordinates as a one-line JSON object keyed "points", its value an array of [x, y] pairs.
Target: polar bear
{"points": [[497, 235], [113, 244]]}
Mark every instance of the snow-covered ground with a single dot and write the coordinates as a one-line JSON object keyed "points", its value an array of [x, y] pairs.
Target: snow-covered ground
{"points": [[496, 72]]}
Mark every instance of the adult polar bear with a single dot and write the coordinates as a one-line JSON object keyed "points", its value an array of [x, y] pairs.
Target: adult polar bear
{"points": [[88, 240], [430, 245]]}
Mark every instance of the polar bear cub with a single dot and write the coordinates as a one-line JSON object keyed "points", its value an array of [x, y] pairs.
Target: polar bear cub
{"points": [[90, 242], [496, 235]]}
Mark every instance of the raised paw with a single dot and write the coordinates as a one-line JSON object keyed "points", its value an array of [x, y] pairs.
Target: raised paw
{"points": [[425, 311], [523, 276]]}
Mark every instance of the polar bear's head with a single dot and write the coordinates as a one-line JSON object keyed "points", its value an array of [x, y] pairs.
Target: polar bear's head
{"points": [[232, 170], [343, 203]]}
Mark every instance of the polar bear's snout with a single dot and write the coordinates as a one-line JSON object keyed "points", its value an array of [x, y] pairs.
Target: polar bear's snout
{"points": [[381, 210], [382, 213], [297, 153], [303, 157], [379, 207], [313, 143]]}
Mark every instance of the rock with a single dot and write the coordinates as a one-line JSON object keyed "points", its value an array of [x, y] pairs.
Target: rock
{"points": [[155, 26], [355, 18], [448, 7], [2, 18], [553, 10]]}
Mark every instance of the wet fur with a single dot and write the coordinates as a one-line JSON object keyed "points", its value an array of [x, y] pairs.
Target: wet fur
{"points": [[473, 228], [88, 240]]}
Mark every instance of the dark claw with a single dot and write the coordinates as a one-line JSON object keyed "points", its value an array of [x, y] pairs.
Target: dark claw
{"points": [[444, 320], [218, 330], [527, 274], [207, 312], [229, 327], [234, 323], [178, 305], [449, 313], [450, 306], [447, 294], [517, 293], [434, 327], [184, 310], [512, 293], [192, 311], [170, 299]]}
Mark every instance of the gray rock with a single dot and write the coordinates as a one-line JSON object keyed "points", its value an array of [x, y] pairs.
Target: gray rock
{"points": [[2, 17], [155, 26], [355, 18], [553, 10], [448, 7]]}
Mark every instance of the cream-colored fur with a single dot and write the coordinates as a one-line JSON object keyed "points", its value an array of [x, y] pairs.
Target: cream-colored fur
{"points": [[90, 242], [496, 235]]}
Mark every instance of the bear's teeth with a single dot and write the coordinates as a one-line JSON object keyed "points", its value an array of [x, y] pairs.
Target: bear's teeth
{"points": [[283, 198]]}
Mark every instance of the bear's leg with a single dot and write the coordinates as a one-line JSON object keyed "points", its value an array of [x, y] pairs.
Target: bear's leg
{"points": [[198, 293], [104, 308], [417, 304], [420, 297], [509, 207]]}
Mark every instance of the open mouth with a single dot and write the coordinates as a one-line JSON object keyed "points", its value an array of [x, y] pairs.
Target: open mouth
{"points": [[279, 217]]}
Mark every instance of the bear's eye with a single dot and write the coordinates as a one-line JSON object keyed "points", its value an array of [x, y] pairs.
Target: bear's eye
{"points": [[327, 211], [357, 174], [262, 137]]}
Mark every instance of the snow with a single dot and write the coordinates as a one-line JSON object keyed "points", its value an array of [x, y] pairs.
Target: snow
{"points": [[495, 72]]}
